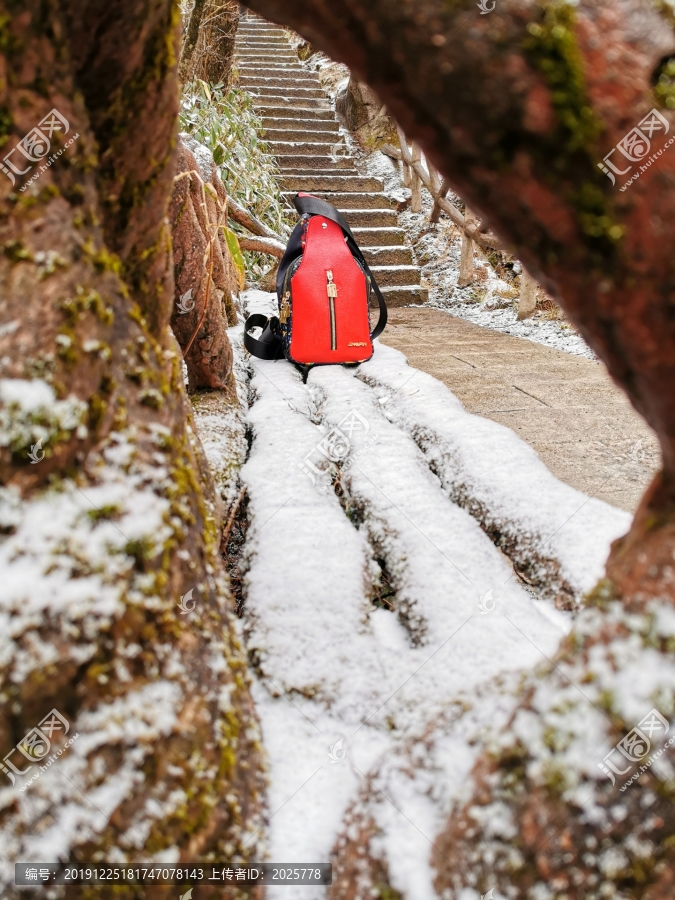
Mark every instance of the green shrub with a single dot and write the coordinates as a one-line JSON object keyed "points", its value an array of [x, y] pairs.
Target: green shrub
{"points": [[229, 126]]}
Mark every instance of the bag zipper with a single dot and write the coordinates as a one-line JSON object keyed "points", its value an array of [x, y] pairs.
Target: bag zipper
{"points": [[331, 290], [286, 307], [285, 310]]}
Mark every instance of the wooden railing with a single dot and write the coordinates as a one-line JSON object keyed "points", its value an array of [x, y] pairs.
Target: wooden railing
{"points": [[417, 173]]}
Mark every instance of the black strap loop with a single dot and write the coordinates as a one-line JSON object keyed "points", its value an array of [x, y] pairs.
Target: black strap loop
{"points": [[268, 345], [314, 206]]}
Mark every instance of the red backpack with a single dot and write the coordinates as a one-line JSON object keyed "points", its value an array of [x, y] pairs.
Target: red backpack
{"points": [[323, 289]]}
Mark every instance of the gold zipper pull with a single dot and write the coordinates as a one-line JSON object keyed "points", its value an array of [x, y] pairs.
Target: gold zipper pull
{"points": [[331, 287], [285, 310]]}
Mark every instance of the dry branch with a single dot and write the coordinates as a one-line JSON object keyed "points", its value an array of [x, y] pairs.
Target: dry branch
{"points": [[249, 221], [472, 229], [272, 246], [265, 240]]}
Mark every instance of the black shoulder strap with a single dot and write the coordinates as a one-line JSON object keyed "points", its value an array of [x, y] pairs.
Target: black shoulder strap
{"points": [[316, 207], [268, 345]]}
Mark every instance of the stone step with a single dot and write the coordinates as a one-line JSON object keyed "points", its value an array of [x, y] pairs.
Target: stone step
{"points": [[294, 86], [303, 126], [245, 32], [295, 93], [315, 148], [288, 138], [292, 80], [388, 256], [267, 63], [347, 201], [260, 63], [255, 56], [396, 276], [275, 114], [276, 57], [261, 40], [378, 237], [330, 183], [266, 50], [255, 31], [263, 65], [263, 44], [264, 68], [279, 102], [263, 47], [281, 136], [414, 295], [291, 88], [257, 71], [310, 173], [257, 22], [309, 162], [274, 31], [371, 218]]}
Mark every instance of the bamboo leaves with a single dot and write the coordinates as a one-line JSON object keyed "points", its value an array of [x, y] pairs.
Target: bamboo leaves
{"points": [[227, 124], [236, 254]]}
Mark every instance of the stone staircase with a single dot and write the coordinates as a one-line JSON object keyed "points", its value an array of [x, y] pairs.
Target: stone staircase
{"points": [[302, 131]]}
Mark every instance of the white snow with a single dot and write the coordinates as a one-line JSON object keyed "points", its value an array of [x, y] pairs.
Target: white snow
{"points": [[500, 478], [342, 685], [32, 412]]}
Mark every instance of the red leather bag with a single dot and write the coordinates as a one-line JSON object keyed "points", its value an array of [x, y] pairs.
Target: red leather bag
{"points": [[323, 287]]}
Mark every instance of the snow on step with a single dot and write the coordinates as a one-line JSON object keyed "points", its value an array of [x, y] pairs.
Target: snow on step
{"points": [[560, 535], [307, 610], [330, 665], [440, 561]]}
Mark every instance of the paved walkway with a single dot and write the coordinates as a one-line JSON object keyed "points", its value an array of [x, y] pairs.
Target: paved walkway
{"points": [[565, 406]]}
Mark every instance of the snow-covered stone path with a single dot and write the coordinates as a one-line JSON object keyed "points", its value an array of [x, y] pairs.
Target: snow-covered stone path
{"points": [[373, 598]]}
